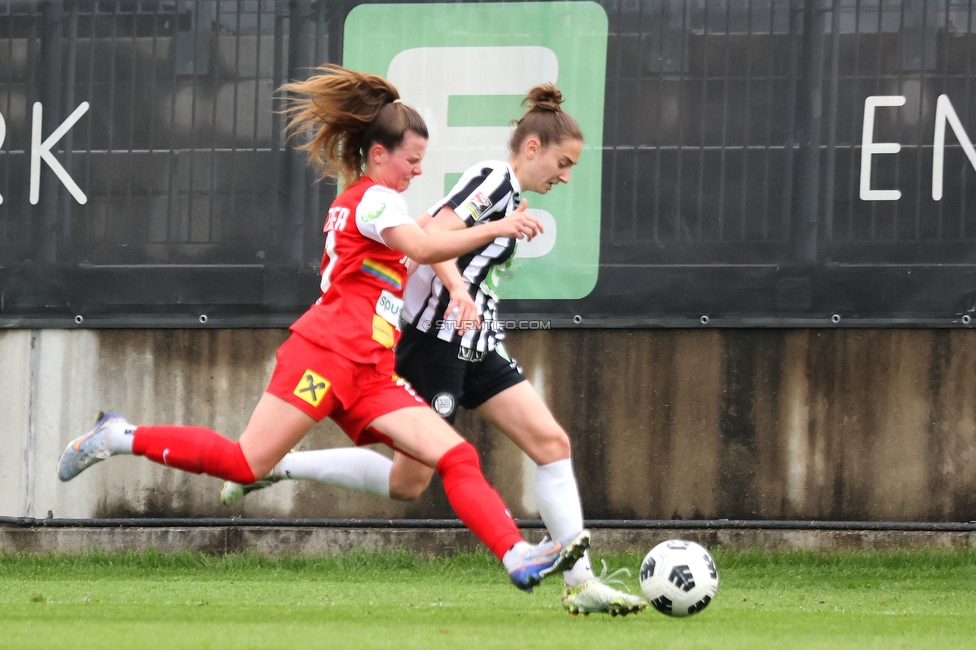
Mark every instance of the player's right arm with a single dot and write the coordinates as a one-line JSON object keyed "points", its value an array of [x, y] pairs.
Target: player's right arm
{"points": [[440, 246]]}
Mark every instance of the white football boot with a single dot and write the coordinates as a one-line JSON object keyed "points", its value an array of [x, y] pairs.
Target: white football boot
{"points": [[596, 596]]}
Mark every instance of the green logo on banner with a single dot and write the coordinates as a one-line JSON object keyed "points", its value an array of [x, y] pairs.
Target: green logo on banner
{"points": [[466, 70]]}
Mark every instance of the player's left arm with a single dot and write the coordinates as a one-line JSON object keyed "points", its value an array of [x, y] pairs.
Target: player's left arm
{"points": [[382, 216], [429, 248]]}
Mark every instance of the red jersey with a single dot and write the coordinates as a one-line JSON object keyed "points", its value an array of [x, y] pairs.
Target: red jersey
{"points": [[358, 312]]}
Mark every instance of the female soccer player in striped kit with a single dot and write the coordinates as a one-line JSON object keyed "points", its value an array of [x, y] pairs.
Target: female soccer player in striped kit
{"points": [[451, 361], [339, 361]]}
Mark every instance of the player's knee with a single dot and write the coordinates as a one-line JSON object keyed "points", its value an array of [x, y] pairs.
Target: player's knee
{"points": [[551, 445], [561, 446], [408, 489], [408, 480]]}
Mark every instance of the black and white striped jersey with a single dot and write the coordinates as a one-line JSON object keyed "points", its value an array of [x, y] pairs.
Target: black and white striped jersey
{"points": [[486, 192]]}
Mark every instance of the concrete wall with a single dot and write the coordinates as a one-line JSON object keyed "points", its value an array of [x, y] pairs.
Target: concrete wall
{"points": [[781, 424], [287, 540]]}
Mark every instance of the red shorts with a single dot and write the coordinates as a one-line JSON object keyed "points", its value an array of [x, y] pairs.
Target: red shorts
{"points": [[323, 383]]}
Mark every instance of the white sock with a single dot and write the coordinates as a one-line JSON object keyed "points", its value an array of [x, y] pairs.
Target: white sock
{"points": [[514, 555], [580, 573], [119, 439], [351, 468], [558, 497]]}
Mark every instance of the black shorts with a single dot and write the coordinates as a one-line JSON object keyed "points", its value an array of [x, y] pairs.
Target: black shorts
{"points": [[432, 367]]}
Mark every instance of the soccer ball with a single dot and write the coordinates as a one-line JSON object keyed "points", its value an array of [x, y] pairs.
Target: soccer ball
{"points": [[678, 578]]}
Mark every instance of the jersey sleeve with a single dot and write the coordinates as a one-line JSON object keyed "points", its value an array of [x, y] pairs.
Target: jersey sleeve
{"points": [[478, 197], [379, 209]]}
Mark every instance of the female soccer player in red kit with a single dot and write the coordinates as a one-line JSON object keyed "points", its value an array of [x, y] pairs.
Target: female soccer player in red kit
{"points": [[338, 361], [452, 363]]}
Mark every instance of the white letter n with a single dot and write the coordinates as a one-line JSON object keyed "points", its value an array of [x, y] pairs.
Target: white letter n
{"points": [[943, 112]]}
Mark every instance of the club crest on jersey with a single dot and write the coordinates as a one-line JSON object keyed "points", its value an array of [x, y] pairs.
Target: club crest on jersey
{"points": [[478, 204], [312, 387]]}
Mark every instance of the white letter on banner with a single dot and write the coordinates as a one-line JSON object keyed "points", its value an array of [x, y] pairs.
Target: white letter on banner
{"points": [[426, 78], [43, 150], [3, 136], [870, 148], [943, 112]]}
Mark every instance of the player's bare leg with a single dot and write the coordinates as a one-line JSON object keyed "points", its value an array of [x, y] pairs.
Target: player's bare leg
{"points": [[520, 414], [274, 428], [408, 478]]}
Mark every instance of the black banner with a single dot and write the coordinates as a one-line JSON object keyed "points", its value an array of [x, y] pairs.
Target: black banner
{"points": [[760, 163]]}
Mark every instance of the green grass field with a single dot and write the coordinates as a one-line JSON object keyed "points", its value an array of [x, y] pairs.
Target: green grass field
{"points": [[400, 600]]}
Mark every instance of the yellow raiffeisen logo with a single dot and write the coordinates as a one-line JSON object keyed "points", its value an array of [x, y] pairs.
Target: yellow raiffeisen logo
{"points": [[382, 332], [312, 388]]}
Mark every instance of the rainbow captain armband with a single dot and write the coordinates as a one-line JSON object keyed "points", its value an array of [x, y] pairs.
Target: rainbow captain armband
{"points": [[383, 272]]}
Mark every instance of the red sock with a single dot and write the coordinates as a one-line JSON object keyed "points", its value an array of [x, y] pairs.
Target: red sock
{"points": [[474, 501], [193, 449]]}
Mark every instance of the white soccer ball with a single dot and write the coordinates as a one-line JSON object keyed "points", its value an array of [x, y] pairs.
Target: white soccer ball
{"points": [[678, 578]]}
